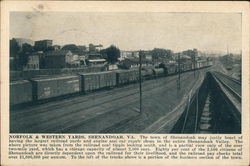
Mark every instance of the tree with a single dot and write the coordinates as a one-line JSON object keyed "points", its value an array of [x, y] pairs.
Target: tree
{"points": [[27, 48], [111, 54], [23, 56], [160, 53], [14, 48], [50, 48], [71, 47], [103, 53], [23, 59]]}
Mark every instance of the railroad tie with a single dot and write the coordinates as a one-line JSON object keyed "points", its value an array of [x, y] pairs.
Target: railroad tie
{"points": [[206, 118]]}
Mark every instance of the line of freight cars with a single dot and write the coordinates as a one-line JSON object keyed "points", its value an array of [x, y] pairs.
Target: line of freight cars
{"points": [[37, 89]]}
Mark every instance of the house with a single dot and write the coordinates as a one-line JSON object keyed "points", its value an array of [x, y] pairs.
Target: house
{"points": [[95, 59], [125, 54], [33, 62], [147, 55], [112, 67], [61, 59], [128, 55], [93, 62], [94, 48], [133, 63]]}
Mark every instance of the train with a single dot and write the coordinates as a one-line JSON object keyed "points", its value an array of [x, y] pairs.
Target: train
{"points": [[38, 89]]}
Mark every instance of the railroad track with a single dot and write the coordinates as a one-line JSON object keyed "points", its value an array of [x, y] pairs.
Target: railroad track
{"points": [[199, 121], [130, 90], [127, 122], [231, 84], [127, 126], [71, 113], [190, 125]]}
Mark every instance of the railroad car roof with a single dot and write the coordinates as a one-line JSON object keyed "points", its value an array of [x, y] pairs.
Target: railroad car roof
{"points": [[18, 82], [95, 73], [158, 69], [54, 78], [124, 71]]}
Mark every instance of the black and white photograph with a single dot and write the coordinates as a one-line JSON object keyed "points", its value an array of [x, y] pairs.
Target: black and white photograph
{"points": [[125, 72]]}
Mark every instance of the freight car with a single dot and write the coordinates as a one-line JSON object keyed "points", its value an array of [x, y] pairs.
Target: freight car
{"points": [[147, 73], [99, 80], [169, 68], [127, 76], [187, 67], [20, 92], [158, 72], [45, 88]]}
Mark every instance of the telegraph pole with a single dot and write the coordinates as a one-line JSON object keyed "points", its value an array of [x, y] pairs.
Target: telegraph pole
{"points": [[194, 60], [140, 55], [194, 66], [179, 73]]}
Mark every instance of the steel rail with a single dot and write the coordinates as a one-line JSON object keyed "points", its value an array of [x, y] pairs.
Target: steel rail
{"points": [[236, 94], [229, 78]]}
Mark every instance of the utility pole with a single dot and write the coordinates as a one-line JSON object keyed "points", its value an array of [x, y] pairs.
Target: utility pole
{"points": [[227, 57], [227, 50], [194, 66], [195, 54], [179, 73], [140, 55]]}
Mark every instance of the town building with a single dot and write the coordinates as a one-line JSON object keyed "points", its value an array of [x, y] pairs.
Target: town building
{"points": [[147, 55], [61, 59], [33, 62], [134, 63], [128, 55], [94, 62], [94, 48], [95, 59], [42, 45], [125, 54]]}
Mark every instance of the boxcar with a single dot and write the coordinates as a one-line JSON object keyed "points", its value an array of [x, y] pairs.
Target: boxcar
{"points": [[126, 76], [147, 73], [107, 79], [198, 65], [90, 81], [94, 81], [170, 69], [210, 63], [158, 72], [193, 66], [45, 88], [20, 92], [187, 66]]}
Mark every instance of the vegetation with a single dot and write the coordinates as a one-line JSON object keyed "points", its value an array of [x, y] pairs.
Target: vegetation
{"points": [[23, 56], [71, 47], [20, 54], [160, 53], [191, 53], [111, 54]]}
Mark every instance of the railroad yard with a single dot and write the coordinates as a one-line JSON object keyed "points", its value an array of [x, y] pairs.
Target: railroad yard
{"points": [[117, 109]]}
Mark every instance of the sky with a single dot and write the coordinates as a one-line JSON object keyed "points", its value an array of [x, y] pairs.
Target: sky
{"points": [[211, 32]]}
